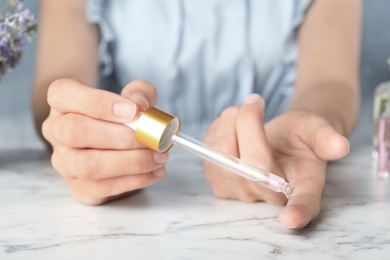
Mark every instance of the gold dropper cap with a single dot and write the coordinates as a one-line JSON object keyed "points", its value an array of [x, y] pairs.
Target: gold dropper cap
{"points": [[155, 129]]}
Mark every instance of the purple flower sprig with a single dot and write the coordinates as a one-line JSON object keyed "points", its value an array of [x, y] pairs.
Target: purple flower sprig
{"points": [[17, 26]]}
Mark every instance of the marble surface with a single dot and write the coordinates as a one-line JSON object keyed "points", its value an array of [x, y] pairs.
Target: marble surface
{"points": [[178, 218]]}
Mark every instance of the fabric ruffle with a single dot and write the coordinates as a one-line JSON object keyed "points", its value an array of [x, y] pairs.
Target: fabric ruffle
{"points": [[95, 14]]}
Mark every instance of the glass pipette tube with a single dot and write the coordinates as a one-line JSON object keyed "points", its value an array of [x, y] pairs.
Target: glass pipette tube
{"points": [[159, 130], [229, 162]]}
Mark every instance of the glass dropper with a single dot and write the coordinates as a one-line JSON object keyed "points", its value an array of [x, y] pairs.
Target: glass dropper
{"points": [[159, 131]]}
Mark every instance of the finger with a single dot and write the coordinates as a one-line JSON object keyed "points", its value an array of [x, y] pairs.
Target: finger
{"points": [[69, 96], [254, 147], [98, 192], [210, 135], [224, 138], [252, 140], [47, 125], [309, 180], [91, 164], [141, 92], [225, 184], [79, 131]]}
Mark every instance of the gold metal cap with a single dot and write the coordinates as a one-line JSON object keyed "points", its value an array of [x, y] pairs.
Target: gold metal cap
{"points": [[155, 129]]}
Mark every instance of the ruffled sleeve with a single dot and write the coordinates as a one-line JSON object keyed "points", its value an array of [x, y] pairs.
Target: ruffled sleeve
{"points": [[95, 14], [300, 11]]}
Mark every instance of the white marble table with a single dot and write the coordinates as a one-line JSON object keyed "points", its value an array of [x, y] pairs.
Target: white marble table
{"points": [[178, 218]]}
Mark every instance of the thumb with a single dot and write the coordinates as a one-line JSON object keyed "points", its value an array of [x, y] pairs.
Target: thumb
{"points": [[141, 92], [328, 144]]}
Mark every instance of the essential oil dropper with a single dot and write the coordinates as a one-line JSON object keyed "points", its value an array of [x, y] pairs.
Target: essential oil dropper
{"points": [[159, 131]]}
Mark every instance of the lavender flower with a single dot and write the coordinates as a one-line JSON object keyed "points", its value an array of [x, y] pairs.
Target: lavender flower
{"points": [[17, 26]]}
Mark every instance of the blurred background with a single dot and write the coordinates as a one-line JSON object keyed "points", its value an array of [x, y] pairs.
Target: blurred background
{"points": [[16, 123]]}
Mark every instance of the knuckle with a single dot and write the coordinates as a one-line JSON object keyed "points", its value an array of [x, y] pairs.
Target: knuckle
{"points": [[46, 129], [99, 104], [86, 198], [56, 162], [55, 91], [228, 113], [91, 201], [83, 192], [104, 189], [217, 189], [247, 197], [84, 165], [220, 193]]}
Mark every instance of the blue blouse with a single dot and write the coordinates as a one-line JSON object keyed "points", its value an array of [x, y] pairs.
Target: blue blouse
{"points": [[202, 55]]}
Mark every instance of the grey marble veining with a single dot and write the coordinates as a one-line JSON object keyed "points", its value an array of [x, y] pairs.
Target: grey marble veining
{"points": [[178, 218]]}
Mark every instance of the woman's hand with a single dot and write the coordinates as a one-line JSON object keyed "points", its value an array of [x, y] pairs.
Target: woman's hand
{"points": [[296, 146], [97, 155]]}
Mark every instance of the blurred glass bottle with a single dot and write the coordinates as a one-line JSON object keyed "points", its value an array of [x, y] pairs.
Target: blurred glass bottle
{"points": [[384, 142], [381, 97]]}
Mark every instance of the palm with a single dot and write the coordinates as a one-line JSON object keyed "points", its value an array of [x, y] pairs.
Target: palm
{"points": [[302, 144], [287, 136]]}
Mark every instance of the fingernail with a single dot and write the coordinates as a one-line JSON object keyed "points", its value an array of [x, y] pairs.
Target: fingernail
{"points": [[295, 217], [160, 158], [252, 99], [348, 144], [125, 110], [159, 172], [290, 226]]}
